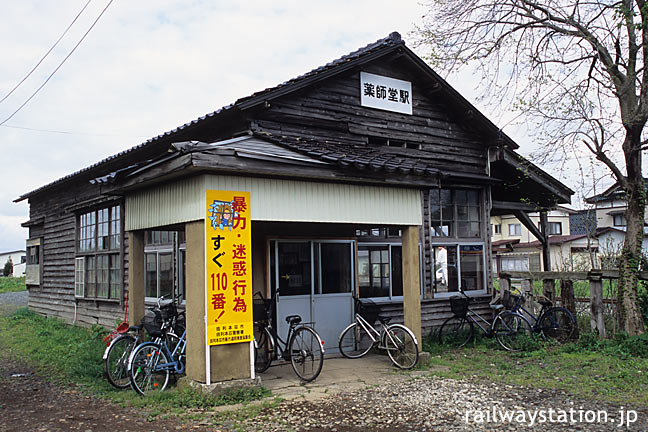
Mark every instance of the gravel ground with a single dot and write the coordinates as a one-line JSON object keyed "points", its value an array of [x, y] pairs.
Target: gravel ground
{"points": [[11, 301], [18, 298], [432, 404]]}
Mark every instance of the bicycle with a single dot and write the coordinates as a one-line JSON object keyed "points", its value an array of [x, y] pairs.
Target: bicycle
{"points": [[512, 327], [117, 352], [303, 347], [360, 337], [151, 363], [459, 329]]}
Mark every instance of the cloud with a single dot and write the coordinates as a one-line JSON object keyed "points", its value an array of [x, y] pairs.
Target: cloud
{"points": [[150, 66]]}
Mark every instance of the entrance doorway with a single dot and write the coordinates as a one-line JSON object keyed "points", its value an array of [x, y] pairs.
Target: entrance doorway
{"points": [[315, 279]]}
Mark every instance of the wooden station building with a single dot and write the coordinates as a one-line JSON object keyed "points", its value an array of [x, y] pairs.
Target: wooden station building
{"points": [[368, 175]]}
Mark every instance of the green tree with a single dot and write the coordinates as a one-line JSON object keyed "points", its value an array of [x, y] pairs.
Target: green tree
{"points": [[577, 70], [8, 267]]}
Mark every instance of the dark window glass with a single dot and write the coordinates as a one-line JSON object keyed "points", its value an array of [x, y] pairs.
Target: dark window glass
{"points": [[151, 275]]}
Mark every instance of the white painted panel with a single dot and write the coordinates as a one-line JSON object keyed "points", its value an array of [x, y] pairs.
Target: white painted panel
{"points": [[276, 200]]}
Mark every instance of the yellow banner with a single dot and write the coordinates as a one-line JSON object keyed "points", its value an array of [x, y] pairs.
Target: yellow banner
{"points": [[228, 267]]}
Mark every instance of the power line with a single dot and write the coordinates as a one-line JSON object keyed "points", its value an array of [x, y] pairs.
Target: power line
{"points": [[58, 67], [72, 132], [47, 53]]}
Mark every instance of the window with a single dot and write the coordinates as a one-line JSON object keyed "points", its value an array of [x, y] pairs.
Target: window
{"points": [[497, 229], [458, 268], [555, 228], [519, 263], [382, 232], [458, 248], [98, 266], [377, 141], [33, 255], [165, 264], [380, 272], [455, 213], [79, 277], [619, 220], [515, 229]]}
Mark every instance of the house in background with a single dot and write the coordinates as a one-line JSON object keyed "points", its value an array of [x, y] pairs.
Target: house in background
{"points": [[18, 258], [517, 248], [608, 212]]}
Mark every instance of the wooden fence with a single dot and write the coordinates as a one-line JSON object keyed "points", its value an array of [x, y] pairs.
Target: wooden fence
{"points": [[594, 277]]}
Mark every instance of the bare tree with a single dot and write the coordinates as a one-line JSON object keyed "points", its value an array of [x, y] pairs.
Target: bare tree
{"points": [[577, 70]]}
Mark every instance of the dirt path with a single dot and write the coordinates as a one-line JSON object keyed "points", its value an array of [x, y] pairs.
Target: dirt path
{"points": [[30, 403]]}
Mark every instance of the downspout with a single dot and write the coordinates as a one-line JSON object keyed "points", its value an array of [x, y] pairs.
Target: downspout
{"points": [[76, 302]]}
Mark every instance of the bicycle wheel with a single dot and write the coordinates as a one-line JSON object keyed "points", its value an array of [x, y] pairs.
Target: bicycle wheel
{"points": [[306, 353], [558, 323], [401, 346], [116, 360], [145, 372], [355, 342], [456, 332], [511, 330], [263, 348]]}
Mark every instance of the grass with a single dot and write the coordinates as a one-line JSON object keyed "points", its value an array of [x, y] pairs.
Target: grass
{"points": [[610, 370], [73, 355], [12, 284]]}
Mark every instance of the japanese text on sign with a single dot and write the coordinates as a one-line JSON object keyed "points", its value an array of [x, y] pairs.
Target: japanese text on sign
{"points": [[385, 93], [228, 267]]}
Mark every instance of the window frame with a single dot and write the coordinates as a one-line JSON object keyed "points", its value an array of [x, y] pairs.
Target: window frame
{"points": [[622, 220], [517, 229], [30, 257], [454, 240], [114, 252], [552, 226], [176, 246], [453, 230], [458, 261], [391, 297]]}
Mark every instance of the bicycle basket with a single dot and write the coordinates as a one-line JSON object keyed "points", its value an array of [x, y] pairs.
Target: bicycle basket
{"points": [[152, 323], [459, 305], [168, 311], [259, 310], [368, 310], [509, 300]]}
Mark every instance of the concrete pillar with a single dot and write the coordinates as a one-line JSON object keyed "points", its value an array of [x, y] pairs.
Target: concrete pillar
{"points": [[136, 286], [228, 362], [411, 280]]}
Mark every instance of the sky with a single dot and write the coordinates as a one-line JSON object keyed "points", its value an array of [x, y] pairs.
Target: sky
{"points": [[149, 66]]}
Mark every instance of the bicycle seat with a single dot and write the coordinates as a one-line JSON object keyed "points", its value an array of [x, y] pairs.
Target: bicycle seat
{"points": [[544, 301], [497, 306], [383, 319], [293, 319], [135, 328]]}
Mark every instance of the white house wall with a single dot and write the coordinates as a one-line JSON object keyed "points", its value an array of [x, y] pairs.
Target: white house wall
{"points": [[276, 200]]}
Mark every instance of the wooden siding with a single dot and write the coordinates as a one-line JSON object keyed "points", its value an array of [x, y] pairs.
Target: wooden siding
{"points": [[276, 200], [434, 312], [332, 111], [54, 296]]}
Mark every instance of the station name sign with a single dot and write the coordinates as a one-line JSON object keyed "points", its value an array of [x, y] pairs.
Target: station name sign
{"points": [[385, 93]]}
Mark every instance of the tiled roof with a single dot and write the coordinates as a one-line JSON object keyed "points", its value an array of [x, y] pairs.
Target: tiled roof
{"points": [[552, 240], [359, 156]]}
